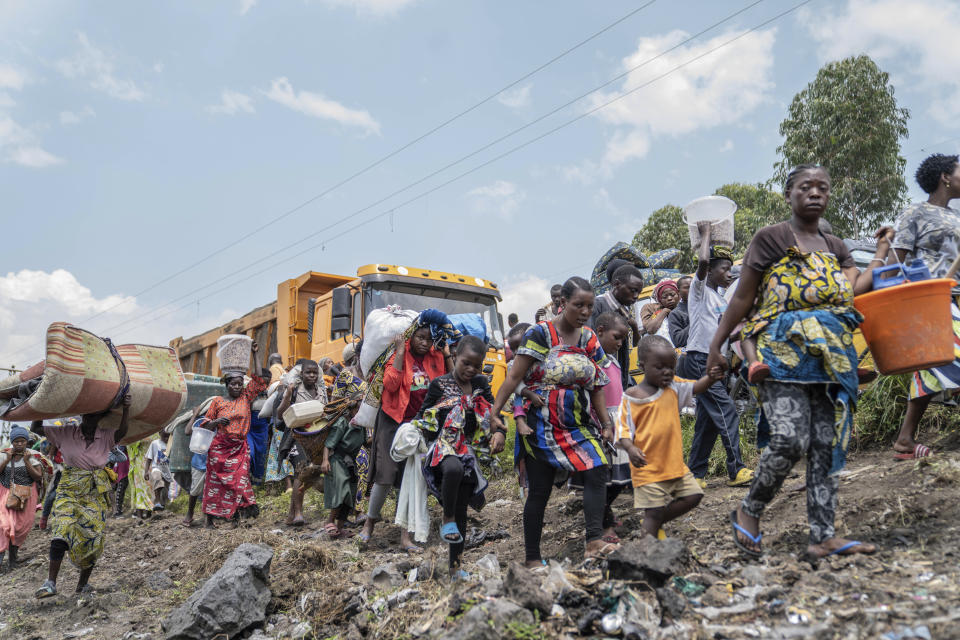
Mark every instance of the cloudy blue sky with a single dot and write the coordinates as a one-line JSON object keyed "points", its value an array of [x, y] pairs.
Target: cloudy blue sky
{"points": [[138, 138]]}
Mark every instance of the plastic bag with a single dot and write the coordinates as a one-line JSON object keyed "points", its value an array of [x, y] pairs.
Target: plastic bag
{"points": [[266, 411], [470, 324], [379, 330]]}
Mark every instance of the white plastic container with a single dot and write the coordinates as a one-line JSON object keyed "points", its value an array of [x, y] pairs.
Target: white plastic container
{"points": [[233, 351], [200, 440], [302, 413], [718, 211]]}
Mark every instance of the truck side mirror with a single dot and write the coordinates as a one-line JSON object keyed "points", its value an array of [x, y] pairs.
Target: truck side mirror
{"points": [[340, 306]]}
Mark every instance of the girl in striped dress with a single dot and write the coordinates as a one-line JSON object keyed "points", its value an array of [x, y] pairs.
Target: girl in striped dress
{"points": [[561, 362]]}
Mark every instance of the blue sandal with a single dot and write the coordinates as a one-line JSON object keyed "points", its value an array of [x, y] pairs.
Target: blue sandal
{"points": [[450, 529], [753, 553], [849, 545]]}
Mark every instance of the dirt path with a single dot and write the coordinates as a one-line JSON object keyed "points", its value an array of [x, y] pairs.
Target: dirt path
{"points": [[910, 511]]}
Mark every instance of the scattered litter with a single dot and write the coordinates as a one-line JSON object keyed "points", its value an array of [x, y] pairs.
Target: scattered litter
{"points": [[688, 588], [489, 565], [798, 616], [925, 577], [921, 632], [557, 611], [611, 623]]}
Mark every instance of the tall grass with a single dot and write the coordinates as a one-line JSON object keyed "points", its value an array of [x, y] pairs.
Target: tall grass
{"points": [[881, 409]]}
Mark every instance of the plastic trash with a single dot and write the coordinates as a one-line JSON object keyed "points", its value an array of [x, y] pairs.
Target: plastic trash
{"points": [[555, 582], [611, 623], [688, 587], [556, 611], [796, 615], [489, 565]]}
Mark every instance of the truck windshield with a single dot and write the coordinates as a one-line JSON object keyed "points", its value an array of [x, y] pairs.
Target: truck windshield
{"points": [[451, 302]]}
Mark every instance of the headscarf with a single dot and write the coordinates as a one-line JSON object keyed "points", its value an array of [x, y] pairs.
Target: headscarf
{"points": [[665, 285], [19, 432], [719, 252]]}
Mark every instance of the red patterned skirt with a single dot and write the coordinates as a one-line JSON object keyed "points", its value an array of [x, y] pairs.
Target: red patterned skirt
{"points": [[227, 486]]}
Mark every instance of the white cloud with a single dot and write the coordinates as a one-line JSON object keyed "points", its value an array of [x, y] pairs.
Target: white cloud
{"points": [[34, 157], [517, 98], [97, 67], [20, 146], [317, 106], [11, 77], [31, 300], [372, 7], [75, 117], [500, 198], [231, 102], [523, 295], [718, 89], [158, 67], [726, 146], [246, 5], [917, 38]]}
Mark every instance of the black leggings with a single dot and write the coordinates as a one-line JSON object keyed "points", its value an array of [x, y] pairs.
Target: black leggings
{"points": [[613, 492], [455, 495], [540, 479]]}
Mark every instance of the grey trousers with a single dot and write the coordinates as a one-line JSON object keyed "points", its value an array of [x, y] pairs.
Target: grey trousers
{"points": [[801, 418]]}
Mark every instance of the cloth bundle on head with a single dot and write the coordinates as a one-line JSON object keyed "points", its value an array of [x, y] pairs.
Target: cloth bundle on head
{"points": [[666, 285], [718, 252], [440, 326], [19, 432]]}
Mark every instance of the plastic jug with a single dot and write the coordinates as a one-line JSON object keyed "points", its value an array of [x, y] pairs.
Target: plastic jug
{"points": [[895, 274]]}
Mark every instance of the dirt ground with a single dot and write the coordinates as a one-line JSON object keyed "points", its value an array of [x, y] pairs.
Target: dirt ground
{"points": [[911, 511]]}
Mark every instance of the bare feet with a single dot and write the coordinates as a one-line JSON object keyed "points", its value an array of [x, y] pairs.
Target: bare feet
{"points": [[840, 547]]}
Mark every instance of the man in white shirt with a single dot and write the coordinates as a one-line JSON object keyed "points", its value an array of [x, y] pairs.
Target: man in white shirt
{"points": [[716, 413]]}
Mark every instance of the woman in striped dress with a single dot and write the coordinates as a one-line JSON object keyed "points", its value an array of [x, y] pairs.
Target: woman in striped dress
{"points": [[561, 362]]}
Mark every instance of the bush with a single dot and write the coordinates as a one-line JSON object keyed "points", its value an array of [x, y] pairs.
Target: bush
{"points": [[882, 406]]}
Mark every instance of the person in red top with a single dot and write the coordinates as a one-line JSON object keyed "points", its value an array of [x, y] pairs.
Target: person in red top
{"points": [[405, 381], [227, 486]]}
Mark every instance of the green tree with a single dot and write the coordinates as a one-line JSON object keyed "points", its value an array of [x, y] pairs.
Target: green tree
{"points": [[848, 120], [757, 207], [665, 229]]}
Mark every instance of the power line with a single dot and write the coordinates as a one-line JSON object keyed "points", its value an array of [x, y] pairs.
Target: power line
{"points": [[510, 151], [476, 152], [502, 155], [383, 159]]}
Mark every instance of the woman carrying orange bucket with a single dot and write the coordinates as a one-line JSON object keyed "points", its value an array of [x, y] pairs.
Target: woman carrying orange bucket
{"points": [[931, 231], [802, 282]]}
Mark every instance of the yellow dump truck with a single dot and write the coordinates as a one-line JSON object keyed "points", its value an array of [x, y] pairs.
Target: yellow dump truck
{"points": [[316, 314]]}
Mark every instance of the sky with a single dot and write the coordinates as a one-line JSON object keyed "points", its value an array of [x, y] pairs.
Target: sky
{"points": [[163, 166]]}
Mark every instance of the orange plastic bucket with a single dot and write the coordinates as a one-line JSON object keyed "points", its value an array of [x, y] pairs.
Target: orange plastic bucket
{"points": [[909, 326]]}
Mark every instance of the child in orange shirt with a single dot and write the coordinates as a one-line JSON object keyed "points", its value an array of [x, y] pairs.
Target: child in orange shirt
{"points": [[648, 429]]}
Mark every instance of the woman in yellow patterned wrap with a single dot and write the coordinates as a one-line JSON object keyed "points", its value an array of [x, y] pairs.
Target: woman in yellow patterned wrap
{"points": [[80, 510], [800, 283]]}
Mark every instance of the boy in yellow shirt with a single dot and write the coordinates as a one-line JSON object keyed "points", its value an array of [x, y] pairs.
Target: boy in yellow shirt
{"points": [[648, 429]]}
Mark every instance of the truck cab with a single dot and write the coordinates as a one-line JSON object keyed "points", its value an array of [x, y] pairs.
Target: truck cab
{"points": [[339, 316]]}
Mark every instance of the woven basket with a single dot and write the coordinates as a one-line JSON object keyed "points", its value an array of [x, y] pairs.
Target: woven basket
{"points": [[314, 437]]}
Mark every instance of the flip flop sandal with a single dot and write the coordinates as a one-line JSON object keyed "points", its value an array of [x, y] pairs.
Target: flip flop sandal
{"points": [[412, 549], [450, 529], [612, 539], [363, 540], [753, 553], [602, 552], [919, 451], [758, 372], [332, 530], [48, 590], [850, 545]]}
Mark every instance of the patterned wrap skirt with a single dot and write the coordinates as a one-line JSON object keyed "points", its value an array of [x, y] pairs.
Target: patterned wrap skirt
{"points": [[80, 514], [227, 487]]}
